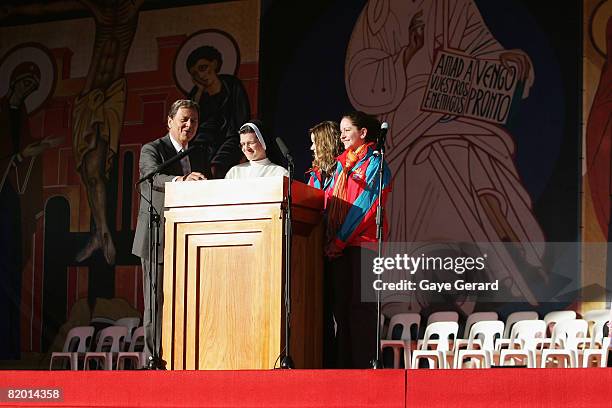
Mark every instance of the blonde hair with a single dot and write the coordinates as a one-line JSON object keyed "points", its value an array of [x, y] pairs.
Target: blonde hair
{"points": [[327, 145]]}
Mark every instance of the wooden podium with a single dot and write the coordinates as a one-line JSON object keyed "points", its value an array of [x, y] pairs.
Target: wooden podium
{"points": [[223, 274]]}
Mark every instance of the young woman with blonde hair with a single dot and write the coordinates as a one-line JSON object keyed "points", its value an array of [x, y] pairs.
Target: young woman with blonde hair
{"points": [[326, 146]]}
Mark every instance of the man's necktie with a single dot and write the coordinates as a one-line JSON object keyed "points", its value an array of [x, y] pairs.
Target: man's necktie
{"points": [[185, 164]]}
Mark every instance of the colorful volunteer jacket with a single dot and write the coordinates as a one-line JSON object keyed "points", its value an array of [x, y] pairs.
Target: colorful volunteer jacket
{"points": [[315, 179], [359, 226]]}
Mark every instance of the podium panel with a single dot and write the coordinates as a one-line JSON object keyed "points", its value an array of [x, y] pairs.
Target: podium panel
{"points": [[223, 275]]}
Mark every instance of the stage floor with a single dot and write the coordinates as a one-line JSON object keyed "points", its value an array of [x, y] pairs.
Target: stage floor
{"points": [[513, 387]]}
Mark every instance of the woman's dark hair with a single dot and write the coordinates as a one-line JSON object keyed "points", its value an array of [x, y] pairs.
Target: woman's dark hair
{"points": [[363, 120]]}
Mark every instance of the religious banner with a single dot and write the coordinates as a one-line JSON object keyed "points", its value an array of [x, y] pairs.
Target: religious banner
{"points": [[476, 88], [76, 110]]}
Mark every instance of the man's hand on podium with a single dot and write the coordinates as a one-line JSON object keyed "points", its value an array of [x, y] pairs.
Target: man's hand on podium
{"points": [[193, 176]]}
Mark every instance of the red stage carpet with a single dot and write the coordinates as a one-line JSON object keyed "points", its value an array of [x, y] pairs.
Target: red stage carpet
{"points": [[316, 388]]}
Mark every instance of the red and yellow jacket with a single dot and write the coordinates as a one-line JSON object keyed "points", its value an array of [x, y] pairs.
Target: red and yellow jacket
{"points": [[359, 225]]}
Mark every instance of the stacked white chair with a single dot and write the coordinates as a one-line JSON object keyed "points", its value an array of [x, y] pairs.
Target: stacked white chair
{"points": [[517, 317], [552, 318], [446, 332], [131, 323], [597, 353], [446, 316], [527, 335], [597, 319], [137, 358], [511, 320], [567, 335], [473, 318], [520, 341], [597, 357], [486, 332], [406, 320], [110, 342], [76, 344], [478, 317]]}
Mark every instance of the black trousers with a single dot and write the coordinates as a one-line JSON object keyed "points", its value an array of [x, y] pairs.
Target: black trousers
{"points": [[355, 341], [329, 329], [151, 325]]}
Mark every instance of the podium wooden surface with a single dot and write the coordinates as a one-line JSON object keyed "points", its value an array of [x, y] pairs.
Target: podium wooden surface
{"points": [[224, 274]]}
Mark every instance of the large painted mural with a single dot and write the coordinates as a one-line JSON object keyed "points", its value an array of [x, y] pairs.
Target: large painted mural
{"points": [[484, 141], [448, 87], [499, 116], [597, 134], [80, 96]]}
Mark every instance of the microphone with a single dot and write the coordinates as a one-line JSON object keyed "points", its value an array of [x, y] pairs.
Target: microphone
{"points": [[171, 161], [284, 150], [382, 137]]}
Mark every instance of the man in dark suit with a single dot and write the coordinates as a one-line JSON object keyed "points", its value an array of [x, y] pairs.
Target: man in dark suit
{"points": [[182, 128]]}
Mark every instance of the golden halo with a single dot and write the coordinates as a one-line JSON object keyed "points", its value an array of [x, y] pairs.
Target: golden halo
{"points": [[39, 55], [221, 40]]}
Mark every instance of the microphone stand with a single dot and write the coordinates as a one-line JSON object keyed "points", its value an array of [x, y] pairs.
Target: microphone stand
{"points": [[380, 152], [155, 362], [287, 361]]}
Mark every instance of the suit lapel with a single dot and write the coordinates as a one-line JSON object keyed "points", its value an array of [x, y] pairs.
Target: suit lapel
{"points": [[197, 159], [168, 152]]}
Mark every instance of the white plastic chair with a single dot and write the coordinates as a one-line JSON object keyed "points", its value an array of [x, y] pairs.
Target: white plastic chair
{"points": [[596, 357], [527, 335], [137, 358], [446, 332], [510, 322], [473, 318], [100, 323], [597, 319], [478, 317], [567, 334], [449, 316], [486, 332], [407, 321], [77, 342], [131, 323], [556, 316], [110, 342], [517, 317]]}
